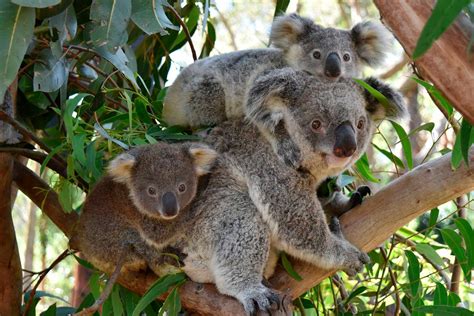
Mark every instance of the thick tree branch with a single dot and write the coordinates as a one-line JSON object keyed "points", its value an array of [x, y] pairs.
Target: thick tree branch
{"points": [[446, 63], [366, 226]]}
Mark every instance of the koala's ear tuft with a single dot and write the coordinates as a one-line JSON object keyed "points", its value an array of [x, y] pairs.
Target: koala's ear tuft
{"points": [[120, 167], [204, 158], [394, 109], [372, 41], [286, 29]]}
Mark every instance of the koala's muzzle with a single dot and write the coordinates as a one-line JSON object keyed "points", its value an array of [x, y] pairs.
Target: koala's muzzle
{"points": [[346, 143], [332, 68], [170, 204]]}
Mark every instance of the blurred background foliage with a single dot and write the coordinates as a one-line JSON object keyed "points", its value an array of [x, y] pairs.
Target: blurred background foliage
{"points": [[91, 84]]}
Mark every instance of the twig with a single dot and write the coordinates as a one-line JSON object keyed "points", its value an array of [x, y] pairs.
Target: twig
{"points": [[344, 294], [105, 294], [60, 258], [456, 275], [440, 271], [394, 282], [185, 30], [399, 66]]}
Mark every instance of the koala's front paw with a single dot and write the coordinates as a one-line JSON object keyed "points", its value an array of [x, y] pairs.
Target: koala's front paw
{"points": [[289, 153], [261, 299], [354, 261], [358, 196]]}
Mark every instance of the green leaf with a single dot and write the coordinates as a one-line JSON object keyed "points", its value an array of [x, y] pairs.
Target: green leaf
{"points": [[456, 155], [376, 94], [17, 25], [150, 16], [413, 273], [440, 295], [50, 72], [106, 135], [466, 139], [289, 267], [51, 311], [36, 3], [362, 166], [430, 253], [210, 41], [78, 146], [444, 310], [41, 294], [444, 13], [406, 145], [120, 61], [150, 139], [468, 234], [65, 23], [157, 289], [437, 94], [453, 299], [390, 156], [116, 302], [110, 20], [354, 293], [191, 23], [454, 241], [434, 213], [140, 107], [280, 7], [172, 304], [423, 127]]}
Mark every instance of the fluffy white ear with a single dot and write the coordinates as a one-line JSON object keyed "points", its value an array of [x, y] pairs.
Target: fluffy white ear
{"points": [[204, 158], [286, 29], [120, 167], [372, 41]]}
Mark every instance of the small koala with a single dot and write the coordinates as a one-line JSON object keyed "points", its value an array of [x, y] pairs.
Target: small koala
{"points": [[141, 206], [212, 90], [255, 205]]}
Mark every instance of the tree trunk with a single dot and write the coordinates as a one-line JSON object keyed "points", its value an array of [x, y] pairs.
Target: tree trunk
{"points": [[446, 63], [10, 266], [366, 226]]}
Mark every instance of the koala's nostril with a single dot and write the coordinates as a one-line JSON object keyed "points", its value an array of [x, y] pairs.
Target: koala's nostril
{"points": [[170, 204]]}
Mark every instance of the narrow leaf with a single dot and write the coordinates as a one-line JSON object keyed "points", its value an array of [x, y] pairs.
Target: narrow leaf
{"points": [[289, 267], [440, 295], [406, 145], [413, 273], [437, 94], [172, 304], [430, 253], [467, 138], [444, 310], [17, 25], [390, 156], [454, 241], [444, 13], [362, 166], [468, 234]]}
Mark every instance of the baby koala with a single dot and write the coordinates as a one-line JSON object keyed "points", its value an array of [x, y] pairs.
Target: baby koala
{"points": [[141, 206], [212, 90]]}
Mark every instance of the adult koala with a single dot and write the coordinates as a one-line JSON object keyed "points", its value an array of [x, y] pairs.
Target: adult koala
{"points": [[212, 90], [256, 205]]}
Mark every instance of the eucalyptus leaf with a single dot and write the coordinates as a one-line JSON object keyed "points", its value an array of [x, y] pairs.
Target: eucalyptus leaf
{"points": [[443, 310], [406, 145], [17, 25], [149, 15], [110, 20], [437, 94], [289, 267], [172, 304], [430, 253], [50, 72], [36, 3], [120, 61], [65, 23], [413, 273]]}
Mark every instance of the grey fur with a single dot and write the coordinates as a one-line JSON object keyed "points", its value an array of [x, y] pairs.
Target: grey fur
{"points": [[113, 225], [256, 205], [212, 90], [8, 135]]}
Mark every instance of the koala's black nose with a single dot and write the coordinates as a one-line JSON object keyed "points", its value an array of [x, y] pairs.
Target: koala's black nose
{"points": [[332, 69], [170, 204], [345, 144]]}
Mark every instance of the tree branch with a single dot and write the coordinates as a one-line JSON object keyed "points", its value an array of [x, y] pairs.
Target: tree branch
{"points": [[446, 63]]}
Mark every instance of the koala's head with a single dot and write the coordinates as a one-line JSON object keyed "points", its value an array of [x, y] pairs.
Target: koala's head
{"points": [[333, 123], [162, 178], [328, 52]]}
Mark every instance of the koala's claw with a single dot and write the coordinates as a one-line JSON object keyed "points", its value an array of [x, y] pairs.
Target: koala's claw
{"points": [[264, 302], [364, 190], [358, 196], [355, 260]]}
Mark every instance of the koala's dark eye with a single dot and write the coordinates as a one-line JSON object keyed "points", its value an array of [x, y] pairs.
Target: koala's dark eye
{"points": [[346, 57], [360, 124], [316, 125], [151, 191], [181, 188], [317, 54]]}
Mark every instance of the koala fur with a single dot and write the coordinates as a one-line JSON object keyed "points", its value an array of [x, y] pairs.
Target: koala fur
{"points": [[8, 135], [255, 205], [130, 216], [212, 90]]}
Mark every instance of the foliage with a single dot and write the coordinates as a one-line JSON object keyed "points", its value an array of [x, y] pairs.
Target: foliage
{"points": [[92, 76]]}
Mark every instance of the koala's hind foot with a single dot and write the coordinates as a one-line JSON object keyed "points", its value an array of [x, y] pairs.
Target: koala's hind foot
{"points": [[262, 300], [354, 260], [335, 227]]}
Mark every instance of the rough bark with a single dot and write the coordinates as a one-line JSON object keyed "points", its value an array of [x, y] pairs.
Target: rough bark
{"points": [[10, 265], [367, 226], [446, 63]]}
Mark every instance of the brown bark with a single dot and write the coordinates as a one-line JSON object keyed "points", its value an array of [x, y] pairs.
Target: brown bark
{"points": [[10, 265], [446, 63], [366, 226]]}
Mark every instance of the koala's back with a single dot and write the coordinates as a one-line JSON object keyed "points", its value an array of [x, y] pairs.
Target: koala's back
{"points": [[212, 90], [105, 230]]}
